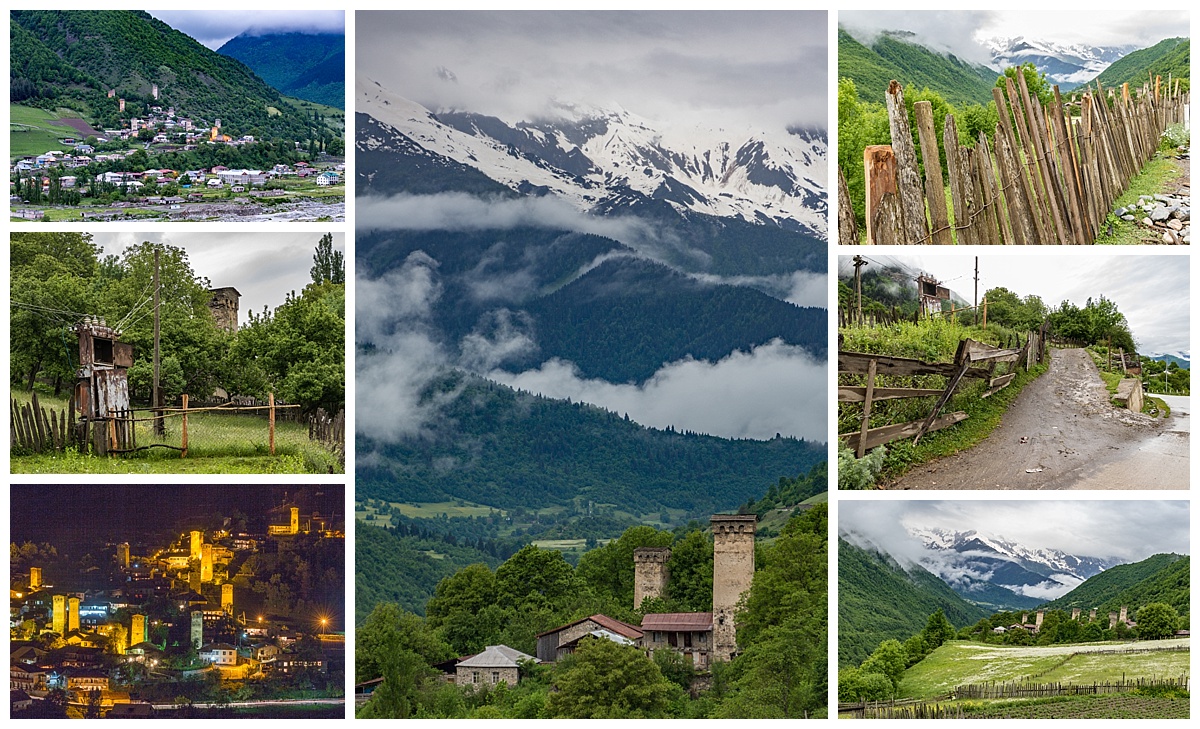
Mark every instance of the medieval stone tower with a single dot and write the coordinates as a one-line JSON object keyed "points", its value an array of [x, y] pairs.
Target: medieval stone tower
{"points": [[733, 570], [227, 598], [294, 525], [137, 630], [35, 578], [58, 616], [224, 305], [650, 574], [206, 563], [72, 614], [197, 628], [197, 540], [123, 555]]}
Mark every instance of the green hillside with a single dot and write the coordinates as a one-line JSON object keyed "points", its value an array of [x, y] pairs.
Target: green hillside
{"points": [[1170, 57], [310, 66], [392, 566], [496, 446], [877, 600], [892, 57], [1161, 578], [73, 58]]}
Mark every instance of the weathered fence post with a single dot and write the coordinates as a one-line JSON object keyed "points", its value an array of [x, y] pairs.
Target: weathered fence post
{"points": [[866, 415], [912, 203], [879, 177], [934, 189], [183, 428], [847, 227], [271, 421]]}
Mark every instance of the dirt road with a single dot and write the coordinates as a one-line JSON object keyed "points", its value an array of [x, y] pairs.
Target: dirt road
{"points": [[1062, 433]]}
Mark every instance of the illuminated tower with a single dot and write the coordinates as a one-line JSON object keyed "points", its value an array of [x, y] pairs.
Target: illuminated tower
{"points": [[295, 525], [121, 102], [197, 628], [123, 555], [154, 90], [197, 540], [733, 570], [35, 578], [227, 598], [59, 615], [650, 574], [137, 630], [72, 614], [206, 563]]}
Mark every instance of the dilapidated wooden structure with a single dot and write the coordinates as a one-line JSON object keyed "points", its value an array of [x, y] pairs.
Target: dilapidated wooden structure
{"points": [[101, 396]]}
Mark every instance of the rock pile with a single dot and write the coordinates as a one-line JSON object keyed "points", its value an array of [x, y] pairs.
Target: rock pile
{"points": [[1168, 216]]}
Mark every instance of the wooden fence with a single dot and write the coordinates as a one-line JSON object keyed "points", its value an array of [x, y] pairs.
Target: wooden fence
{"points": [[1051, 177], [329, 431], [1018, 690], [972, 360]]}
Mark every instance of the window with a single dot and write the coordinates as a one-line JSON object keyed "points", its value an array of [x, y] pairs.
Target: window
{"points": [[474, 676], [495, 677], [102, 350]]}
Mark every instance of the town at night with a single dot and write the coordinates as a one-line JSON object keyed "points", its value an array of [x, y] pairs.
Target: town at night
{"points": [[177, 601]]}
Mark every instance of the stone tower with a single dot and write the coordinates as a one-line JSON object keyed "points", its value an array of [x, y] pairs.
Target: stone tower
{"points": [[733, 570], [137, 630], [294, 526], [123, 555], [224, 305], [227, 598], [197, 540], [58, 617], [1075, 613], [650, 574], [206, 563], [197, 628], [35, 578], [1037, 621], [72, 614]]}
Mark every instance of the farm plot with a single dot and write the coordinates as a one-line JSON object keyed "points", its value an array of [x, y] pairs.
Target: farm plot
{"points": [[1084, 707]]}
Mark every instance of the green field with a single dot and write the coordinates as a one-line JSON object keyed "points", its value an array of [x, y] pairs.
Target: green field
{"points": [[1110, 706], [35, 131], [217, 443], [333, 116], [957, 663]]}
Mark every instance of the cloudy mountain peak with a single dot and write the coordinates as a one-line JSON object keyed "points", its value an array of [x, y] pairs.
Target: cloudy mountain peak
{"points": [[602, 159]]}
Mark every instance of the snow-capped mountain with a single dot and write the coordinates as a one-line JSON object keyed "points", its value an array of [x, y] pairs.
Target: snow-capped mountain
{"points": [[984, 568], [1067, 64], [603, 160]]}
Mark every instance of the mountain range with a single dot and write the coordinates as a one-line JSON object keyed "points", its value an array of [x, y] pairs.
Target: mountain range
{"points": [[309, 66], [599, 246], [609, 161], [1066, 64], [999, 573]]}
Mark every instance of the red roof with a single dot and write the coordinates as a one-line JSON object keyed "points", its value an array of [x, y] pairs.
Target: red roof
{"points": [[677, 621], [611, 624]]}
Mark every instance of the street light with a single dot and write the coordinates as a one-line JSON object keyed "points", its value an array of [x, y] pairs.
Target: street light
{"points": [[323, 622]]}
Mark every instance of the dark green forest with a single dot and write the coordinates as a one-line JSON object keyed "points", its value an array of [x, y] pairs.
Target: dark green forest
{"points": [[309, 66], [504, 448], [880, 600], [72, 58]]}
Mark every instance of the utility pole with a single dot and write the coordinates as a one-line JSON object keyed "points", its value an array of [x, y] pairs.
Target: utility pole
{"points": [[859, 262], [976, 290], [156, 395]]}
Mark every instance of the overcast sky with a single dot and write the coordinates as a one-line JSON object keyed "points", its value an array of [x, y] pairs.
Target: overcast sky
{"points": [[1123, 531], [1152, 291], [961, 31], [263, 267], [721, 68], [214, 28]]}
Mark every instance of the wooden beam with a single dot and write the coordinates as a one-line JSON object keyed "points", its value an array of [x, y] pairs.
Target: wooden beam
{"points": [[888, 433], [848, 393]]}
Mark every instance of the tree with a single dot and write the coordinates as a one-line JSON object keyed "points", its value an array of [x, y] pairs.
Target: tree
{"points": [[534, 576], [889, 659], [691, 570], [328, 264], [1156, 620], [397, 646], [609, 570], [604, 680]]}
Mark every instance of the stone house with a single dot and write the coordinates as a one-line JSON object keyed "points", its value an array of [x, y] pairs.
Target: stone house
{"points": [[497, 663], [690, 634]]}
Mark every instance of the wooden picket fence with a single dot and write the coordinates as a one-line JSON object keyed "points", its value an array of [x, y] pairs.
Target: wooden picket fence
{"points": [[330, 431], [1020, 690], [1051, 177], [972, 360], [38, 429]]}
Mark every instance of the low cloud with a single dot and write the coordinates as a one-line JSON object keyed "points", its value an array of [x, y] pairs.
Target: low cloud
{"points": [[776, 388]]}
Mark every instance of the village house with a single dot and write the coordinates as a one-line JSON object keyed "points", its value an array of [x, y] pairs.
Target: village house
{"points": [[496, 664], [553, 645]]}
